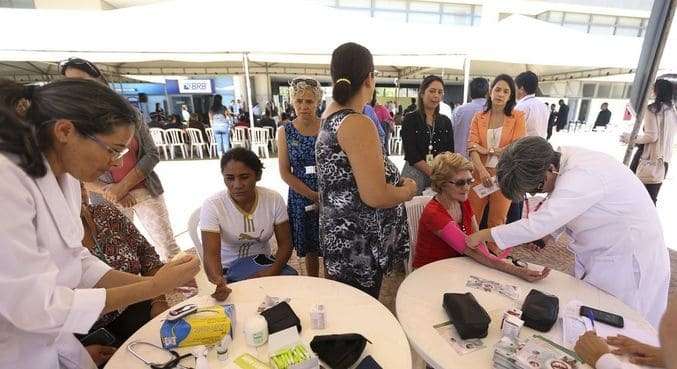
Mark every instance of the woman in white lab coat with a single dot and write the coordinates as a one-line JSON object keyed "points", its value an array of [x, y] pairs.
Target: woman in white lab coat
{"points": [[51, 286], [616, 235]]}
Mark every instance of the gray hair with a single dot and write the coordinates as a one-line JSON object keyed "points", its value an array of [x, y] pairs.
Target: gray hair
{"points": [[523, 165], [299, 85]]}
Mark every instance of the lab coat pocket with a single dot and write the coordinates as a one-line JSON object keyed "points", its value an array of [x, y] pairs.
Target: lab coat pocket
{"points": [[618, 275]]}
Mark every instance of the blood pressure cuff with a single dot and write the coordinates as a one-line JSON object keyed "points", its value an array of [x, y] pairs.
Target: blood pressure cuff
{"points": [[281, 317], [467, 315], [339, 351], [540, 310]]}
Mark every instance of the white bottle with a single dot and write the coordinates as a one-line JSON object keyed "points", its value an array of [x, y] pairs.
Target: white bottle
{"points": [[256, 331]]}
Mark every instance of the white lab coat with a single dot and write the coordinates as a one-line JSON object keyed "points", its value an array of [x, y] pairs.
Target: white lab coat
{"points": [[46, 276], [616, 234]]}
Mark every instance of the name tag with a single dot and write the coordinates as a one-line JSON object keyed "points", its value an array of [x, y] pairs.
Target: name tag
{"points": [[310, 169]]}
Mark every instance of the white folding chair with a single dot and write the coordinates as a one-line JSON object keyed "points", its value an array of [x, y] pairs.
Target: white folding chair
{"points": [[271, 139], [175, 138], [194, 232], [259, 142], [396, 141], [197, 142], [212, 143], [238, 137], [159, 140], [414, 209]]}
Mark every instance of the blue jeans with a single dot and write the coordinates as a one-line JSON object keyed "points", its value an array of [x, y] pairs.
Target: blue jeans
{"points": [[222, 139]]}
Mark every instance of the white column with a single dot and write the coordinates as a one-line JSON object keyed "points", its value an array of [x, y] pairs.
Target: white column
{"points": [[249, 89], [466, 79]]}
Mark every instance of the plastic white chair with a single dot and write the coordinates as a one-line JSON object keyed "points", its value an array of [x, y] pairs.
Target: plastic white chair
{"points": [[259, 142], [194, 232], [396, 141], [175, 138], [197, 142], [414, 209], [238, 137], [159, 140], [271, 139], [212, 143]]}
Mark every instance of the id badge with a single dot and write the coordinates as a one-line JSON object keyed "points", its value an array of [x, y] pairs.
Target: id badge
{"points": [[310, 169], [429, 159]]}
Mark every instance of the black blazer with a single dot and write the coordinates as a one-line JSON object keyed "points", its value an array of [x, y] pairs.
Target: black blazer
{"points": [[416, 136]]}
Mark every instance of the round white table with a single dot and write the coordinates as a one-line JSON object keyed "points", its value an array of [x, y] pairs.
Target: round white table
{"points": [[419, 307], [348, 310]]}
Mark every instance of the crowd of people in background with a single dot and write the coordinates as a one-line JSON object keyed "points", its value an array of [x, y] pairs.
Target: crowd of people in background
{"points": [[75, 147]]}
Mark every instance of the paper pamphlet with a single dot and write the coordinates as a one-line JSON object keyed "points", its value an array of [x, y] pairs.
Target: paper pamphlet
{"points": [[462, 347], [510, 291], [482, 191]]}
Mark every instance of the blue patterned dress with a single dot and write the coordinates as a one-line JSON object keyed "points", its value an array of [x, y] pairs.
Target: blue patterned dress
{"points": [[359, 243], [304, 224]]}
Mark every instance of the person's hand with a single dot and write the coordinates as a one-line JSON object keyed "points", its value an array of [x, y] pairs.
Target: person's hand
{"points": [[498, 151], [479, 149], [639, 353], [267, 272], [175, 273], [159, 307], [100, 354], [222, 291], [114, 192], [410, 185], [533, 275], [472, 241], [127, 201], [493, 248], [485, 178], [591, 347]]}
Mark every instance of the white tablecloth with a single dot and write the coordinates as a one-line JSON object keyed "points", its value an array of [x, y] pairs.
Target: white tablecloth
{"points": [[419, 307], [348, 310]]}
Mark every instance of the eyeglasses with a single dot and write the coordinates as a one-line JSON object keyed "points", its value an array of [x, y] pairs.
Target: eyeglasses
{"points": [[115, 154], [309, 81], [83, 64], [463, 182]]}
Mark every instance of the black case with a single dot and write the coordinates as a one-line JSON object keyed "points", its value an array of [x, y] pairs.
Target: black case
{"points": [[281, 317], [339, 351], [467, 315], [540, 310]]}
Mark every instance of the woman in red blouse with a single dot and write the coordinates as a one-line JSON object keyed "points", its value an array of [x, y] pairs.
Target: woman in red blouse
{"points": [[448, 219]]}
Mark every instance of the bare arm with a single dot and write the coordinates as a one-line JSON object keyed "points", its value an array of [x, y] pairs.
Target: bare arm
{"points": [[211, 241], [358, 138], [285, 168]]}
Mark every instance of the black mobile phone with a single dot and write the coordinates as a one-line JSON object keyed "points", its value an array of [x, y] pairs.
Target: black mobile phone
{"points": [[100, 336], [605, 317], [368, 363]]}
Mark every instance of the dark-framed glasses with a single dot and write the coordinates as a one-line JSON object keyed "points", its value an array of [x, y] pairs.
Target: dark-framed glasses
{"points": [[115, 154], [463, 182], [309, 81], [83, 64]]}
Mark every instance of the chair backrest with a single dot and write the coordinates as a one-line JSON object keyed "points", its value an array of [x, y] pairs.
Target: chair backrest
{"points": [[259, 136], [240, 134], [271, 132], [158, 136], [175, 135], [210, 135], [414, 209], [195, 135], [194, 232], [398, 131]]}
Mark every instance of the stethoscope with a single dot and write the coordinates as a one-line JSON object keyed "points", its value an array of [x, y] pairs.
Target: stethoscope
{"points": [[174, 362]]}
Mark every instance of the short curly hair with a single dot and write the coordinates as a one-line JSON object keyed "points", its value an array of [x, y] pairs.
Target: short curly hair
{"points": [[302, 84], [445, 166]]}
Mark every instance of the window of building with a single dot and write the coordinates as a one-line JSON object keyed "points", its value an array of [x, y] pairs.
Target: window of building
{"points": [[424, 6], [617, 90], [433, 18], [556, 17], [354, 3], [390, 4], [19, 4], [390, 15], [589, 89], [603, 90]]}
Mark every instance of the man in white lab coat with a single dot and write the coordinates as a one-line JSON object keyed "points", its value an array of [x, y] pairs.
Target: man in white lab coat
{"points": [[616, 234]]}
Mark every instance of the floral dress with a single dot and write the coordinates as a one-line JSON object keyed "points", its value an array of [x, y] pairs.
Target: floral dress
{"points": [[359, 243]]}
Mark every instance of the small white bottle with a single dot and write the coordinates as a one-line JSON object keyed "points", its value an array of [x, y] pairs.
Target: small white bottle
{"points": [[256, 331]]}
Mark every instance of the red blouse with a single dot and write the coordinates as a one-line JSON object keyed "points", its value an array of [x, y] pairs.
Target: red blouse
{"points": [[429, 247]]}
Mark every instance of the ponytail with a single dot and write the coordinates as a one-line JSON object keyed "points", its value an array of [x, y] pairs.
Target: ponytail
{"points": [[18, 138]]}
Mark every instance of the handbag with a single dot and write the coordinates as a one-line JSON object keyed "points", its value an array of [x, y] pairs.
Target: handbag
{"points": [[467, 315], [540, 310], [652, 169], [281, 317], [339, 351]]}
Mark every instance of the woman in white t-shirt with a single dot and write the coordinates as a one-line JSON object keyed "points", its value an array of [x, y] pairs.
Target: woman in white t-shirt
{"points": [[239, 222]]}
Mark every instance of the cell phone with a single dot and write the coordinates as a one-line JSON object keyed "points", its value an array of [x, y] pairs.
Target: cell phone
{"points": [[182, 311], [368, 363], [605, 317], [100, 336]]}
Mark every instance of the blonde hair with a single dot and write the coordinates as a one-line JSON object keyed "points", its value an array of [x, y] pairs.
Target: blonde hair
{"points": [[445, 166], [301, 86]]}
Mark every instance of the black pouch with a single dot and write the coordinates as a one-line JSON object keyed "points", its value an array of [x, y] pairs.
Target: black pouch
{"points": [[339, 351], [281, 317], [368, 363], [540, 310], [467, 315]]}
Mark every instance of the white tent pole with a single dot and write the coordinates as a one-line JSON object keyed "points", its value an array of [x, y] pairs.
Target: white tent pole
{"points": [[249, 89], [466, 78]]}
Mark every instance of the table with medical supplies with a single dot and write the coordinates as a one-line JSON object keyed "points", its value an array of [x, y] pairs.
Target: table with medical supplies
{"points": [[347, 310], [420, 310]]}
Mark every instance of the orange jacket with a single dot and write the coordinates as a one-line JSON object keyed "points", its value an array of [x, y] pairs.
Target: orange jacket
{"points": [[514, 128]]}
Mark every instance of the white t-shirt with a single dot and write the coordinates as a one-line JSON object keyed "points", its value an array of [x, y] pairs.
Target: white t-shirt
{"points": [[243, 234]]}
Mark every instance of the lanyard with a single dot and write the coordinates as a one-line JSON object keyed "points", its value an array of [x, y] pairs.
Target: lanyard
{"points": [[431, 134]]}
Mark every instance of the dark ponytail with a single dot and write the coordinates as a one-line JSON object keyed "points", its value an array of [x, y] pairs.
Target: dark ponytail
{"points": [[92, 108], [664, 95], [351, 65]]}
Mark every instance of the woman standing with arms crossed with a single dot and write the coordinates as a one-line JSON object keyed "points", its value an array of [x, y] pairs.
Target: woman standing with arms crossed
{"points": [[221, 123], [363, 224], [53, 287], [296, 141]]}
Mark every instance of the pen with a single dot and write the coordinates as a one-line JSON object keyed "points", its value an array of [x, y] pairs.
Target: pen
{"points": [[592, 321]]}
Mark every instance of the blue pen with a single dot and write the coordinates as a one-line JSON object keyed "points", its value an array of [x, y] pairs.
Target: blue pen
{"points": [[592, 320]]}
